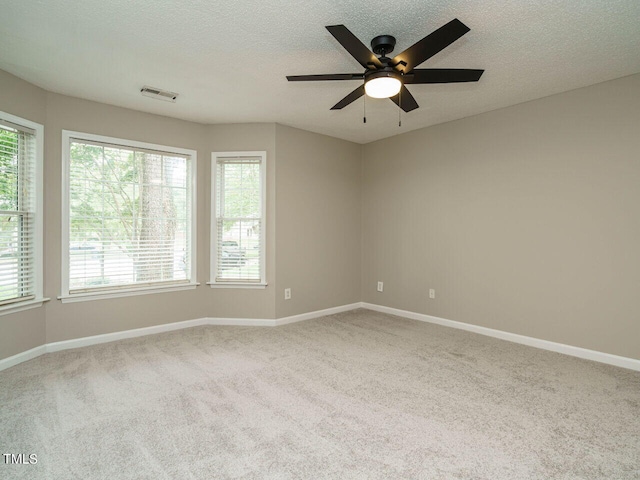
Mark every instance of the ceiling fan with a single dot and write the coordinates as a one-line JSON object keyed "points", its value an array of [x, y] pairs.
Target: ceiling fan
{"points": [[386, 77]]}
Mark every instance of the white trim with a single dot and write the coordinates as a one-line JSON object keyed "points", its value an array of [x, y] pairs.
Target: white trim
{"points": [[237, 285], [194, 216], [243, 322], [257, 322], [318, 313], [39, 224], [20, 306], [22, 357], [14, 125], [168, 327], [192, 156], [112, 337], [618, 361], [624, 362], [127, 143], [214, 223], [64, 219], [125, 292]]}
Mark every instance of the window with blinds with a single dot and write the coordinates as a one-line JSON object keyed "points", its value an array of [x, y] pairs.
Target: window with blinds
{"points": [[130, 216], [18, 204], [238, 231]]}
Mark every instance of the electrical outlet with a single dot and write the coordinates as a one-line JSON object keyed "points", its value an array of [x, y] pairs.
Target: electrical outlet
{"points": [[380, 286], [432, 293], [287, 294]]}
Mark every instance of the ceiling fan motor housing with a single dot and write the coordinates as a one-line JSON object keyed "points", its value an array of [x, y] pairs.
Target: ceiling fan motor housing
{"points": [[384, 72], [383, 44]]}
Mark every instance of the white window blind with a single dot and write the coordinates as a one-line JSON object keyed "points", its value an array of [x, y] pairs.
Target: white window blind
{"points": [[238, 236], [17, 213], [130, 217]]}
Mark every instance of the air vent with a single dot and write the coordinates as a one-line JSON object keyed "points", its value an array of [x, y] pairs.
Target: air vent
{"points": [[158, 94]]}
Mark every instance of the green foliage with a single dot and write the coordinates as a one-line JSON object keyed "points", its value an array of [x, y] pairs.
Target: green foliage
{"points": [[8, 191], [122, 202], [103, 210], [9, 222], [8, 170], [241, 192]]}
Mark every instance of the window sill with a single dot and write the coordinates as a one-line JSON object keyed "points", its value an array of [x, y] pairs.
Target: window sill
{"points": [[20, 306], [258, 286], [84, 297]]}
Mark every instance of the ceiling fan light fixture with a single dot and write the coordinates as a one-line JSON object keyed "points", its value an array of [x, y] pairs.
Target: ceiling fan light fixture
{"points": [[383, 84], [386, 77]]}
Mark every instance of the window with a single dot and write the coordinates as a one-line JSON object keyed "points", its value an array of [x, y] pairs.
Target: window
{"points": [[238, 223], [129, 217], [20, 213]]}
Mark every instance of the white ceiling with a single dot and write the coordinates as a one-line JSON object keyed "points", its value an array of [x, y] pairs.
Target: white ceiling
{"points": [[228, 59]]}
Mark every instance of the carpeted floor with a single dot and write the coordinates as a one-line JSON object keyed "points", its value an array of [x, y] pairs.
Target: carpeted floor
{"points": [[357, 395]]}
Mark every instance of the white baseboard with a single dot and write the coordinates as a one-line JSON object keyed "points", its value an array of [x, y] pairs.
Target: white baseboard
{"points": [[242, 322], [260, 322], [112, 337], [318, 313], [168, 327], [22, 357], [624, 362]]}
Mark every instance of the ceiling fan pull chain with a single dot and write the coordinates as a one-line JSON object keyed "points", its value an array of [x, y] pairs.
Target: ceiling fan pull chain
{"points": [[399, 108], [364, 114]]}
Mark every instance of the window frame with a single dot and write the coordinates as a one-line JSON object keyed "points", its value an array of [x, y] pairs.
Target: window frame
{"points": [[38, 296], [213, 243], [130, 290]]}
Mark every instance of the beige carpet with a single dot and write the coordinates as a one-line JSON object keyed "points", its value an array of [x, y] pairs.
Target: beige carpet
{"points": [[358, 395]]}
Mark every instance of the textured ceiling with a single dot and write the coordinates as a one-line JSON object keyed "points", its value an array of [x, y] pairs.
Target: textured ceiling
{"points": [[228, 60]]}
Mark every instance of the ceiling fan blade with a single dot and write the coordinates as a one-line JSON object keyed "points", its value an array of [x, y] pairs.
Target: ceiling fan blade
{"points": [[430, 45], [408, 102], [442, 75], [355, 47], [334, 76], [353, 96]]}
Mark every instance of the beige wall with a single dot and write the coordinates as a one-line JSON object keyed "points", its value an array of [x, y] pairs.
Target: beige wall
{"points": [[74, 320], [244, 303], [318, 221], [23, 330], [525, 219], [332, 166]]}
